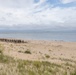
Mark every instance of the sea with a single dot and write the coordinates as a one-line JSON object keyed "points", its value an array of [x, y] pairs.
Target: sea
{"points": [[69, 36]]}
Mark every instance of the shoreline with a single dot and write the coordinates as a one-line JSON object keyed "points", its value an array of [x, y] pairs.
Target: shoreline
{"points": [[17, 40]]}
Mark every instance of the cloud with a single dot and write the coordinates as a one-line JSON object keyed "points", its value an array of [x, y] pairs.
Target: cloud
{"points": [[28, 14], [16, 3], [67, 1]]}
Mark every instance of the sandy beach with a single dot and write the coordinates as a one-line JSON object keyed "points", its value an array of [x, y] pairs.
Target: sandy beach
{"points": [[39, 50], [57, 52]]}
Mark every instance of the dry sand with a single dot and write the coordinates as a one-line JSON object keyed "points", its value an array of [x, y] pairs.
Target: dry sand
{"points": [[52, 51]]}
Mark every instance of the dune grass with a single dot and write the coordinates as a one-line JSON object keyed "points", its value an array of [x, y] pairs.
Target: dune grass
{"points": [[27, 51], [11, 66], [47, 56]]}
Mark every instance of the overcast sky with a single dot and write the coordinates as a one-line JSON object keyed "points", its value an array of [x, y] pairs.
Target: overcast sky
{"points": [[38, 14]]}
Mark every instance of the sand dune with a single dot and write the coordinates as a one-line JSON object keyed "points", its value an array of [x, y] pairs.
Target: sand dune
{"points": [[39, 50], [57, 52]]}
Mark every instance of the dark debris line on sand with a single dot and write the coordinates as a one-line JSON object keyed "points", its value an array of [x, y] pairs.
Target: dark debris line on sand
{"points": [[12, 40]]}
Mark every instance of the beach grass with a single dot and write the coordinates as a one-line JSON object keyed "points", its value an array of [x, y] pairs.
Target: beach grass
{"points": [[14, 66], [10, 66]]}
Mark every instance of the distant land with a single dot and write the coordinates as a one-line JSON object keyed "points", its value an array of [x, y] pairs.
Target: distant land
{"points": [[36, 30]]}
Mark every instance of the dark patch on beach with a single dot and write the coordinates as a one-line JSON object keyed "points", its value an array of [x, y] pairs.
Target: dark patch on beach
{"points": [[13, 40]]}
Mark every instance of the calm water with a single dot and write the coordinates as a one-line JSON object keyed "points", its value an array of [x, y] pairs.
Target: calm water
{"points": [[39, 35]]}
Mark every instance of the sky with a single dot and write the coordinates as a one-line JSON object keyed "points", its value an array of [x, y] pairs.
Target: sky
{"points": [[38, 14]]}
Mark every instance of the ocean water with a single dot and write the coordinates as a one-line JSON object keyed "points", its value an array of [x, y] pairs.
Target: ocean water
{"points": [[39, 35]]}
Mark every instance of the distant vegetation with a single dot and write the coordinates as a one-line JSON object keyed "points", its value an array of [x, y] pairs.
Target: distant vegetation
{"points": [[47, 56], [27, 51]]}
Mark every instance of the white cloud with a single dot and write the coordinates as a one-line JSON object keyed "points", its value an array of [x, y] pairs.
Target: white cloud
{"points": [[40, 2], [67, 1], [23, 14], [16, 3]]}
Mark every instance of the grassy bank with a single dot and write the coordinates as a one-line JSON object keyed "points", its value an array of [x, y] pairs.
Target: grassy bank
{"points": [[11, 66]]}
